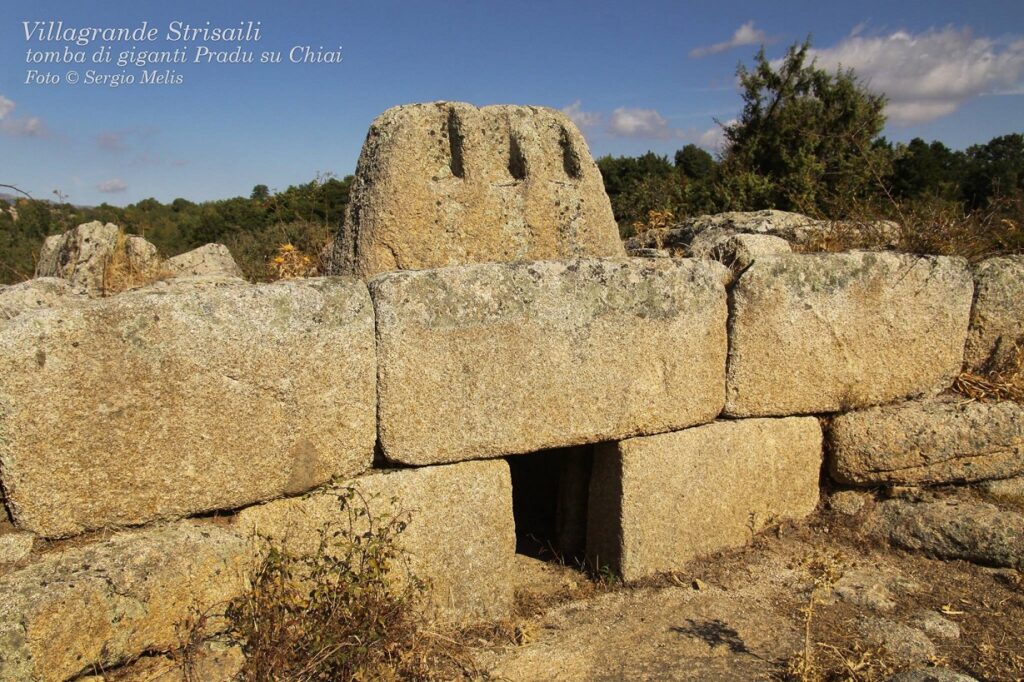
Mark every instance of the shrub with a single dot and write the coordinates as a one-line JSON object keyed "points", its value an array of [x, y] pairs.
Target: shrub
{"points": [[340, 613]]}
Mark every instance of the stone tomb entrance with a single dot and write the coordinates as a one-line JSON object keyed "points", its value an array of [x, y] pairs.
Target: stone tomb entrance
{"points": [[549, 502]]}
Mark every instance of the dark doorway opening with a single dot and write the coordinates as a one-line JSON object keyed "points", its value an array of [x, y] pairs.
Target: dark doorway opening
{"points": [[549, 503]]}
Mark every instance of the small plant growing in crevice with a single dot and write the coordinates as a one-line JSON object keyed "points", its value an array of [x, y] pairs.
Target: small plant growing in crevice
{"points": [[825, 572], [346, 611]]}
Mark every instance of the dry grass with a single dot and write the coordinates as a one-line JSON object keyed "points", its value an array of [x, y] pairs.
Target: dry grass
{"points": [[341, 613], [122, 273], [1004, 381]]}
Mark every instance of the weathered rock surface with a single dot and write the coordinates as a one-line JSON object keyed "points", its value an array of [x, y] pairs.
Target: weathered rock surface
{"points": [[875, 588], [997, 319], [698, 236], [928, 441], [207, 261], [953, 529], [495, 359], [99, 259], [936, 625], [208, 662], [737, 252], [446, 183], [461, 534], [41, 292], [848, 502], [183, 398], [95, 606], [812, 333], [660, 501], [80, 255], [907, 644], [1008, 490], [932, 675], [14, 545]]}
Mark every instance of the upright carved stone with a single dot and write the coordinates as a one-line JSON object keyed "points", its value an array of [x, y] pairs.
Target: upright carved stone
{"points": [[447, 183]]}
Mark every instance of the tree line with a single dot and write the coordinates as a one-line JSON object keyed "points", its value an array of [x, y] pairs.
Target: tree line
{"points": [[811, 141], [807, 140]]}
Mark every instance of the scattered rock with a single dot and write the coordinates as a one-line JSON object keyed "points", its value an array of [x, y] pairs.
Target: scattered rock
{"points": [[660, 501], [906, 644], [80, 255], [927, 442], [461, 533], [953, 529], [936, 625], [997, 319], [447, 183], [211, 260], [873, 588], [848, 502], [843, 331], [171, 401], [698, 236], [489, 360]]}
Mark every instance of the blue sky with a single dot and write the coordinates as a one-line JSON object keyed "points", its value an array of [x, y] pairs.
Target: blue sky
{"points": [[635, 76]]}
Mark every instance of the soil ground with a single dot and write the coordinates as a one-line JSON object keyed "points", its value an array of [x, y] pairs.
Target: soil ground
{"points": [[742, 615]]}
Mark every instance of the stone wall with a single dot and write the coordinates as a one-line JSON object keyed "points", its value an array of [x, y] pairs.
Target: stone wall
{"points": [[153, 443]]}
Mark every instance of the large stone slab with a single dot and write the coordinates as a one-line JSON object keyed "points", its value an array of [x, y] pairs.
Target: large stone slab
{"points": [[660, 501], [446, 183], [812, 333], [952, 528], [928, 442], [495, 359], [90, 607], [461, 536], [997, 319], [182, 399], [211, 260]]}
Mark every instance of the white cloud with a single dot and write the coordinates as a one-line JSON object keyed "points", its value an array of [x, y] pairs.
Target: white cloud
{"points": [[629, 122], [30, 126], [111, 141], [112, 185], [930, 74], [583, 119], [714, 137], [744, 35]]}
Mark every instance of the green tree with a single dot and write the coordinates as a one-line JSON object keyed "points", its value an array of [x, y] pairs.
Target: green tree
{"points": [[694, 163], [994, 169], [806, 139], [923, 169]]}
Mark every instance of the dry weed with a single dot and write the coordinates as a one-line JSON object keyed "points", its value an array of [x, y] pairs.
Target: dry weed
{"points": [[121, 274], [341, 613], [1004, 381]]}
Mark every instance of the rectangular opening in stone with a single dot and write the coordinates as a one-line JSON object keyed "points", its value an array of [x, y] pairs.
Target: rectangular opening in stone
{"points": [[549, 503]]}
